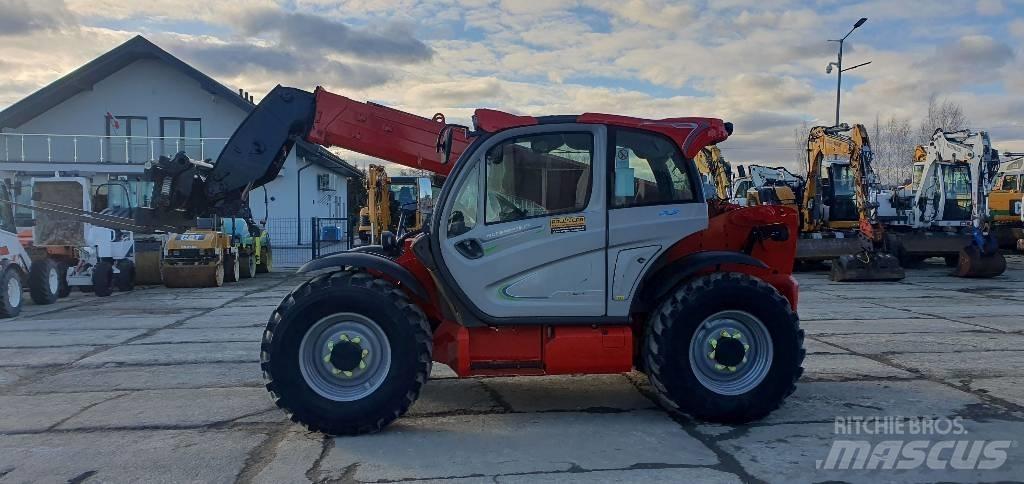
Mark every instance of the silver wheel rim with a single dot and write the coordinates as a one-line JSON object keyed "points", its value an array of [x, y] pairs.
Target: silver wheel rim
{"points": [[345, 385], [53, 280], [14, 291], [718, 344]]}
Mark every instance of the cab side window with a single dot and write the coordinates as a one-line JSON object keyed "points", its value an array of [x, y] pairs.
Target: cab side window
{"points": [[538, 175], [648, 169], [1010, 183], [464, 211]]}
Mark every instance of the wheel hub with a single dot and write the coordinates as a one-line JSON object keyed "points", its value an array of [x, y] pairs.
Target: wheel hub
{"points": [[729, 350], [347, 355], [344, 357]]}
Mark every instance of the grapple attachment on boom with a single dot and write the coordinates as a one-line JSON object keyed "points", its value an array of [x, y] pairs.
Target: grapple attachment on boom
{"points": [[867, 266]]}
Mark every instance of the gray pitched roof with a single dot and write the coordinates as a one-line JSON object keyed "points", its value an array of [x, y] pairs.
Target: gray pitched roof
{"points": [[138, 48], [84, 77]]}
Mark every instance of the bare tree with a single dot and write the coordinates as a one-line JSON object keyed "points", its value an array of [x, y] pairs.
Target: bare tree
{"points": [[893, 149], [800, 145], [947, 115]]}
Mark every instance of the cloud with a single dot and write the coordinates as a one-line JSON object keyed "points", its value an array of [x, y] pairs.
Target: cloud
{"points": [[989, 7], [466, 92], [1017, 28], [389, 43], [20, 17], [238, 59], [656, 13], [978, 51]]}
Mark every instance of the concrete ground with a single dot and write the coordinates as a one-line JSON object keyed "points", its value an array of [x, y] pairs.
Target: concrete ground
{"points": [[163, 385]]}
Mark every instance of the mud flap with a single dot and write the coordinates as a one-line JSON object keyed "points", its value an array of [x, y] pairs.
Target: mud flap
{"points": [[866, 266]]}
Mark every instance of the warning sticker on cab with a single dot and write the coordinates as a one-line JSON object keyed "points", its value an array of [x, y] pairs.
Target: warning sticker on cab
{"points": [[573, 223]]}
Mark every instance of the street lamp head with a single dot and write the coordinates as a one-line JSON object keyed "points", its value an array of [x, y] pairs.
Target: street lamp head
{"points": [[860, 22], [828, 68]]}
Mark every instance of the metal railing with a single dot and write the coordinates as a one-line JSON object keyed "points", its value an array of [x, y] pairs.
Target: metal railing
{"points": [[36, 147]]}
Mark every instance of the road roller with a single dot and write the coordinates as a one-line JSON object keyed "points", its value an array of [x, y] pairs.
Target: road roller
{"points": [[201, 257]]}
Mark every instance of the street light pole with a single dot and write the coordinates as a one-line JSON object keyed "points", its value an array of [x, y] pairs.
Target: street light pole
{"points": [[839, 65]]}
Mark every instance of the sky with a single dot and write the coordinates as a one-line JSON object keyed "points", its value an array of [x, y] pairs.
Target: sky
{"points": [[759, 64]]}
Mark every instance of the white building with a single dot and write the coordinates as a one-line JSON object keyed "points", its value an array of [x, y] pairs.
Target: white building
{"points": [[136, 102]]}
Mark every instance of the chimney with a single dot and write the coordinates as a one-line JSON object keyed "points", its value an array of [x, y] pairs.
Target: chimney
{"points": [[241, 93]]}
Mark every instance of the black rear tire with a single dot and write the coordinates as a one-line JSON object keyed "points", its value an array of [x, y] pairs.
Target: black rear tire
{"points": [[65, 288], [125, 277], [408, 334], [103, 278], [677, 321], [44, 281], [232, 272], [247, 266], [10, 304], [266, 260]]}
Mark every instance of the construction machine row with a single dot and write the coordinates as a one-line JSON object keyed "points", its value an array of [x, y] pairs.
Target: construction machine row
{"points": [[959, 205], [87, 237]]}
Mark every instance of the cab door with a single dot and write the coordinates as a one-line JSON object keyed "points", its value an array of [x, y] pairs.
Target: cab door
{"points": [[655, 202], [526, 227]]}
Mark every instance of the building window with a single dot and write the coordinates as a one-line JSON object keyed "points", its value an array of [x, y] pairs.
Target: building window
{"points": [[128, 139], [182, 134], [648, 169]]}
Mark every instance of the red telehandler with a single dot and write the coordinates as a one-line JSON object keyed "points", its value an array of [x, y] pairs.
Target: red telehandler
{"points": [[558, 245]]}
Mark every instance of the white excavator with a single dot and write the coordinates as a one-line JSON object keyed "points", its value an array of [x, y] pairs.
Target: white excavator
{"points": [[944, 211]]}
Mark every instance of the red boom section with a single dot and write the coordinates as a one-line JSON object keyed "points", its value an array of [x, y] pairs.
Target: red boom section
{"points": [[382, 132]]}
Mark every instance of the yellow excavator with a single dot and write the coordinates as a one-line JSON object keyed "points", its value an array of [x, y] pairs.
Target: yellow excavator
{"points": [[716, 173], [392, 205], [375, 217], [1005, 201], [838, 210]]}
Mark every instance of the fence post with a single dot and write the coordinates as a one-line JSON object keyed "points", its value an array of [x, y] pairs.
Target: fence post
{"points": [[314, 239]]}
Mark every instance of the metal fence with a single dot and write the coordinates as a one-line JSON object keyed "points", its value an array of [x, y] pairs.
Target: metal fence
{"points": [[297, 241], [330, 236]]}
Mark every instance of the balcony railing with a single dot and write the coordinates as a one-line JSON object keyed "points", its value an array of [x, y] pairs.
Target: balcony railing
{"points": [[77, 148]]}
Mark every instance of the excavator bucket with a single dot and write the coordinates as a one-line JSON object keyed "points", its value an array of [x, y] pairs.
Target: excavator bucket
{"points": [[866, 267], [975, 263]]}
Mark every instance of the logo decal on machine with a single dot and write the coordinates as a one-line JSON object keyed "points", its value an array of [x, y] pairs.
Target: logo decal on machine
{"points": [[668, 212], [572, 223]]}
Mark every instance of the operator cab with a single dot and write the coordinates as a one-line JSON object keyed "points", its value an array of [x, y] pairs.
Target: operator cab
{"points": [[573, 216], [837, 189]]}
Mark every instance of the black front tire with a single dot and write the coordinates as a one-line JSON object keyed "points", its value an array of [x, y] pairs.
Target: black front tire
{"points": [[39, 281], [674, 324], [125, 277], [10, 305], [103, 278], [408, 334]]}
